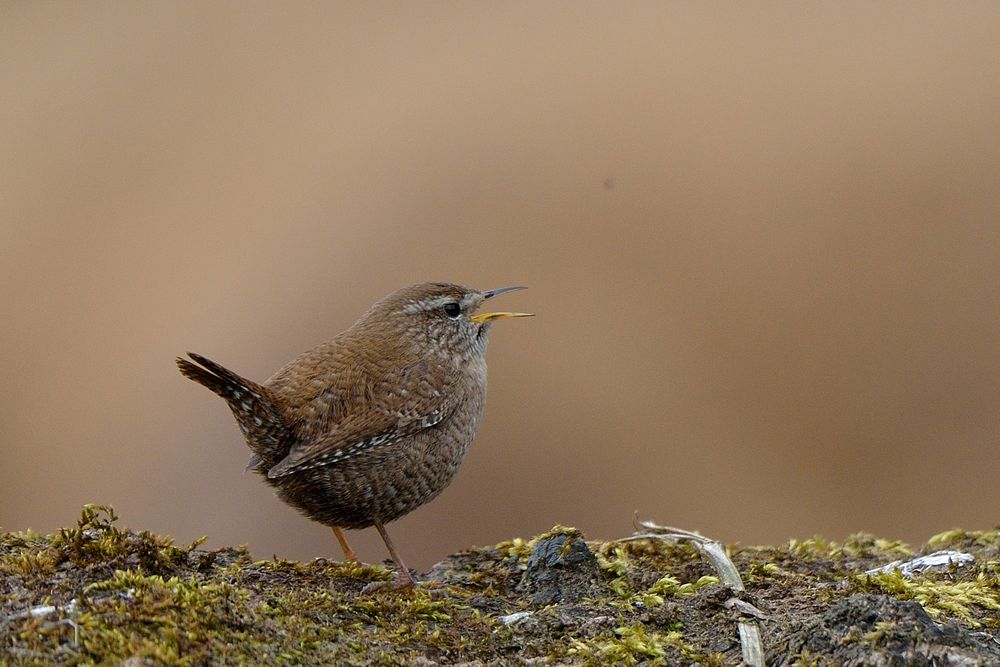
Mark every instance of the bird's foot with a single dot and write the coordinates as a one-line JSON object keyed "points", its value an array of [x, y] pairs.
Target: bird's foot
{"points": [[356, 562]]}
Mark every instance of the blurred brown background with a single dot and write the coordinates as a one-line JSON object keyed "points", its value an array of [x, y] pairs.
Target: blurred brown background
{"points": [[762, 241]]}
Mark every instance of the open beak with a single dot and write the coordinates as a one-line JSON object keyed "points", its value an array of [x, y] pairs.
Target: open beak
{"points": [[488, 317], [490, 293]]}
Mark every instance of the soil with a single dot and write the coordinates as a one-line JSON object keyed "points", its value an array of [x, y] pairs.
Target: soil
{"points": [[101, 594]]}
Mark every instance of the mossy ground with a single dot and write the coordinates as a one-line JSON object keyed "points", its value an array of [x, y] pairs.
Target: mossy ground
{"points": [[101, 594]]}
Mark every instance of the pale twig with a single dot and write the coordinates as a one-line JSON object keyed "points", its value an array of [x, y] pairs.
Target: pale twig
{"points": [[749, 627]]}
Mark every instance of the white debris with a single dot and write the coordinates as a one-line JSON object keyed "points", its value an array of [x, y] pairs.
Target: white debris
{"points": [[938, 559], [46, 609], [744, 608], [511, 619]]}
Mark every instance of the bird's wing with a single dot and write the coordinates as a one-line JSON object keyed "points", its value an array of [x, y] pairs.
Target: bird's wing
{"points": [[397, 404]]}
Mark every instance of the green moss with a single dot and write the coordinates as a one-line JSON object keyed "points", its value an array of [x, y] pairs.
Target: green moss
{"points": [[174, 621], [975, 601], [758, 572], [958, 538], [883, 630], [670, 587], [98, 593], [521, 549], [806, 659], [621, 564], [630, 645], [613, 560], [27, 559], [858, 545]]}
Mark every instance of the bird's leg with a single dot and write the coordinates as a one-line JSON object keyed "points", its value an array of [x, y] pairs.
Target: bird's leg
{"points": [[404, 580], [348, 551]]}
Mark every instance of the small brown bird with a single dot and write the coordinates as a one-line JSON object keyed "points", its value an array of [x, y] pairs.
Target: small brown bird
{"points": [[368, 426]]}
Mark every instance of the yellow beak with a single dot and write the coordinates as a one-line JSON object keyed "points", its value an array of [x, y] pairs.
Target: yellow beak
{"points": [[487, 317]]}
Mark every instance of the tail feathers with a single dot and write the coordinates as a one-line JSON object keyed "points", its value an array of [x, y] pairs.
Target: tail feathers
{"points": [[221, 380], [254, 406]]}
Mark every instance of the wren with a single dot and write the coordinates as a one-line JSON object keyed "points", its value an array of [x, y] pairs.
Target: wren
{"points": [[366, 427]]}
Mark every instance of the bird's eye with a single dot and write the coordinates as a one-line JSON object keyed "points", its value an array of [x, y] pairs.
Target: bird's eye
{"points": [[452, 310]]}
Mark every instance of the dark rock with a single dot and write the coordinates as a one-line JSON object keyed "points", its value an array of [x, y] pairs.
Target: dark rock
{"points": [[882, 631], [561, 568]]}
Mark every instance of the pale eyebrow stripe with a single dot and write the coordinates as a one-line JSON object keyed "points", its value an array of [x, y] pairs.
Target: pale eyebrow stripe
{"points": [[429, 304]]}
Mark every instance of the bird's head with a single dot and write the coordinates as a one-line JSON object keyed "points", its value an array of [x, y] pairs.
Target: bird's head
{"points": [[439, 316]]}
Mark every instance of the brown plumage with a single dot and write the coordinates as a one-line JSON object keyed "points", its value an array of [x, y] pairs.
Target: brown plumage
{"points": [[368, 426]]}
